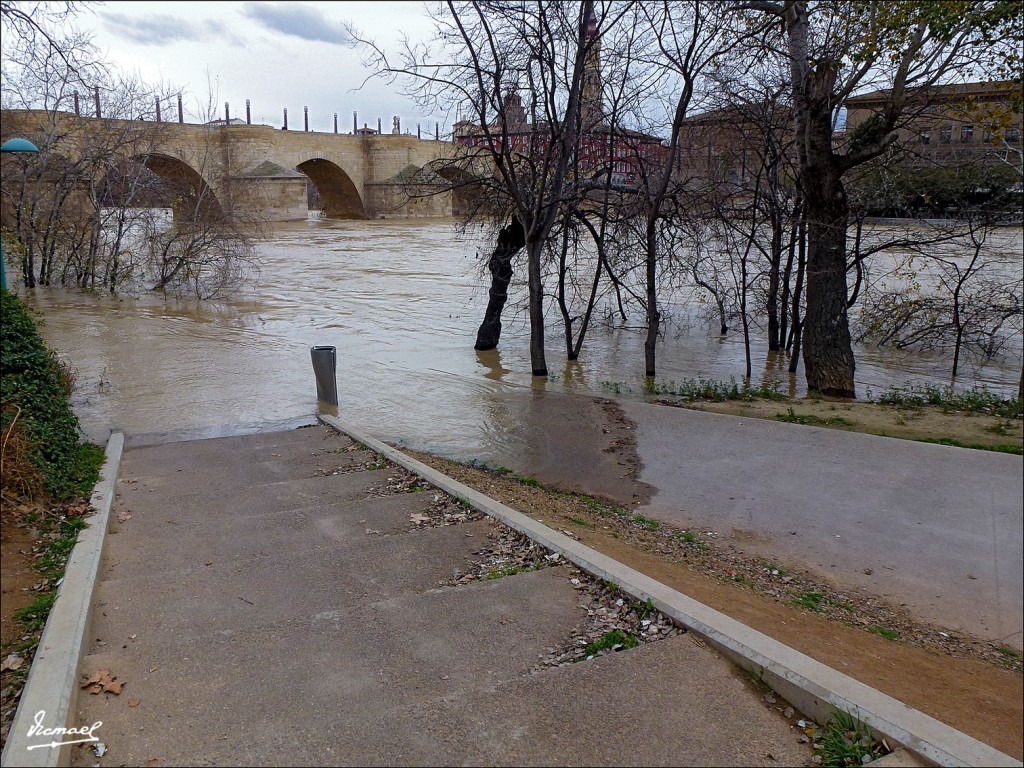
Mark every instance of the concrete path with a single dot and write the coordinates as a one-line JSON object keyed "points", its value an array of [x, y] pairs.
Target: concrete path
{"points": [[267, 601], [936, 528]]}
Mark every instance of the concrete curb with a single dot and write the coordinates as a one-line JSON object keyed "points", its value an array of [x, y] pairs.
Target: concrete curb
{"points": [[52, 685], [809, 685]]}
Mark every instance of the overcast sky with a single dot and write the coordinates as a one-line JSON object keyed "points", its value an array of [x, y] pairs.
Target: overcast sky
{"points": [[276, 54]]}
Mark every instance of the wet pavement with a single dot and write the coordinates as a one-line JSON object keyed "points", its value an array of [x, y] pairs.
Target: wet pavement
{"points": [[934, 528]]}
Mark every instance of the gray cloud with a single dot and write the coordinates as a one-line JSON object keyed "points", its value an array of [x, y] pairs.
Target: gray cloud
{"points": [[164, 30], [299, 21]]}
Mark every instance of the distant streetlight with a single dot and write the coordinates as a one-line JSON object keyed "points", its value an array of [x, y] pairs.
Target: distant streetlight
{"points": [[13, 145]]}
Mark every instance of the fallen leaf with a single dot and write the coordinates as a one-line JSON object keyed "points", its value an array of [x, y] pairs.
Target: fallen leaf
{"points": [[419, 518], [134, 702], [102, 680], [14, 661], [124, 517]]}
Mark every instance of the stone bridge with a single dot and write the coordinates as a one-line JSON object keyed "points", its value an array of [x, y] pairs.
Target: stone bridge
{"points": [[258, 168]]}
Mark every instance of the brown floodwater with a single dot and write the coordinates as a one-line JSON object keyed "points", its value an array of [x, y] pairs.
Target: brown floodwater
{"points": [[401, 301]]}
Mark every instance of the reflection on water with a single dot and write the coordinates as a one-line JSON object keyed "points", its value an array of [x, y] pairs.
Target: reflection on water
{"points": [[401, 302]]}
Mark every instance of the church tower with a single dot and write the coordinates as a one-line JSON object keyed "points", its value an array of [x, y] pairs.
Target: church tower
{"points": [[591, 108]]}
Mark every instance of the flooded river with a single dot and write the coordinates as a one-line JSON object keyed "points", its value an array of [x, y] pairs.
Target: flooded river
{"points": [[401, 301]]}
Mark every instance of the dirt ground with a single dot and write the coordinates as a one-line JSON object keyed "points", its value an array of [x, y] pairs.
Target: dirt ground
{"points": [[18, 579], [971, 685]]}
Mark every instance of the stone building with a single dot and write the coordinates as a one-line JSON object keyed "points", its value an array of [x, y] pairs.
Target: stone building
{"points": [[952, 124]]}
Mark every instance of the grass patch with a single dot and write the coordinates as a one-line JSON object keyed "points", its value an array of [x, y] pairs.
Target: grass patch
{"points": [[615, 640], [512, 570], [888, 634], [1010, 653], [581, 522], [33, 616], [810, 419], [644, 609], [757, 680], [529, 480], [646, 522], [1001, 448], [717, 391], [809, 600], [975, 400], [847, 741]]}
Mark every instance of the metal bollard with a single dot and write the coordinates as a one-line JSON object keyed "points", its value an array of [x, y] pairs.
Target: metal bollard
{"points": [[324, 367]]}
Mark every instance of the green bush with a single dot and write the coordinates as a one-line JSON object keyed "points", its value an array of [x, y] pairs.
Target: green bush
{"points": [[34, 391]]}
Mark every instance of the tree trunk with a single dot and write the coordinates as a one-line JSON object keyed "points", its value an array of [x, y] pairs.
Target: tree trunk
{"points": [[511, 240], [653, 315], [774, 273], [537, 360], [828, 348]]}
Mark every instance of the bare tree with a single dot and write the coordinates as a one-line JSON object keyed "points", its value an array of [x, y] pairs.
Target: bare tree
{"points": [[488, 52]]}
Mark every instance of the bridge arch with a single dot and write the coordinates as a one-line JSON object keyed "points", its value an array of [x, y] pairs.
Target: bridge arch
{"points": [[466, 187], [187, 192], [338, 192]]}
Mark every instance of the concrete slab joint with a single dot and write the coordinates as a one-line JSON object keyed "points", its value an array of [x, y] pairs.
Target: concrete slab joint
{"points": [[52, 685], [812, 687]]}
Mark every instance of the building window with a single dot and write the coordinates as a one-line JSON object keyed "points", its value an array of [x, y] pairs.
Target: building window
{"points": [[1013, 135], [945, 134], [926, 136], [966, 134], [989, 135]]}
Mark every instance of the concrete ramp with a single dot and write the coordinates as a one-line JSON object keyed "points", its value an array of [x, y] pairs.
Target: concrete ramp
{"points": [[276, 599]]}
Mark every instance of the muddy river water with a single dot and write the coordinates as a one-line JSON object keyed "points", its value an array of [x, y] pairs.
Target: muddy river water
{"points": [[401, 301]]}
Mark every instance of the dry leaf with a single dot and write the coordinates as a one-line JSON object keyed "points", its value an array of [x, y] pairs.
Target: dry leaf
{"points": [[124, 517], [134, 702], [14, 661], [419, 518], [102, 680]]}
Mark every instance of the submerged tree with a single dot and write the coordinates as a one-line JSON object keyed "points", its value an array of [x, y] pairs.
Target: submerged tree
{"points": [[517, 155], [836, 49]]}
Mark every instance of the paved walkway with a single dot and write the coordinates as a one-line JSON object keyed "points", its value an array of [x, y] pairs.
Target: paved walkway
{"points": [[936, 528], [268, 602]]}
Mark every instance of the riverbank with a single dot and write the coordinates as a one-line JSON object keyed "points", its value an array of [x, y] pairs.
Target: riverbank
{"points": [[973, 685], [46, 479]]}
